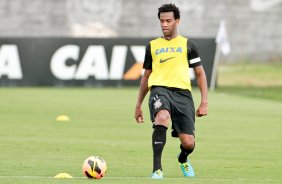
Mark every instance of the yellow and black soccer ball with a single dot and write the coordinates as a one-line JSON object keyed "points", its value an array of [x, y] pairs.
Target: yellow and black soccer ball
{"points": [[94, 167]]}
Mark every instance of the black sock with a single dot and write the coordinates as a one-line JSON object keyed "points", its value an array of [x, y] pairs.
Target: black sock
{"points": [[158, 143], [184, 154]]}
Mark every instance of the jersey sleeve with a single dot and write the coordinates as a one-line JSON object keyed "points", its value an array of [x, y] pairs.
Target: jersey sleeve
{"points": [[193, 55], [148, 58]]}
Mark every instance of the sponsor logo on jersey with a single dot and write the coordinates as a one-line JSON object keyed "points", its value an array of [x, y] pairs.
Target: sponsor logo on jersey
{"points": [[164, 60], [168, 50]]}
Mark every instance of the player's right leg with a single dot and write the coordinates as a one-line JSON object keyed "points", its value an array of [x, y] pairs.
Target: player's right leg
{"points": [[158, 174], [160, 116], [158, 141]]}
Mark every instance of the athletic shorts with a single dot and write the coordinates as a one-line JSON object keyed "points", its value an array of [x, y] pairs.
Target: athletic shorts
{"points": [[180, 105]]}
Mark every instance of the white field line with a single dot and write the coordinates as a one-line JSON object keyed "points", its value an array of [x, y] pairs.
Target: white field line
{"points": [[132, 177]]}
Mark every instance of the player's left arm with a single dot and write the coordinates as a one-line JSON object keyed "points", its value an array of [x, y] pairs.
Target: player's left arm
{"points": [[195, 63], [202, 83]]}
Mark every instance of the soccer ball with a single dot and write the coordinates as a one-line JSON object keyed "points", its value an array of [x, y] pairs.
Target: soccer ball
{"points": [[94, 167]]}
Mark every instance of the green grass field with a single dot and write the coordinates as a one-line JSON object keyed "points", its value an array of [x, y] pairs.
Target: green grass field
{"points": [[254, 80], [238, 142]]}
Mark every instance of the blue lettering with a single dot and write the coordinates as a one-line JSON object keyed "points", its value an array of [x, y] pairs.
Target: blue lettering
{"points": [[162, 50], [179, 49], [168, 49], [157, 51]]}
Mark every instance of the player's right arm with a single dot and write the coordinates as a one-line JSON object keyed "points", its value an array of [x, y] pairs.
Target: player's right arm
{"points": [[143, 90]]}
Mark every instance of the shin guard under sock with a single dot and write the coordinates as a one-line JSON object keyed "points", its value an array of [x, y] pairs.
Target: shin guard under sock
{"points": [[182, 157], [158, 143]]}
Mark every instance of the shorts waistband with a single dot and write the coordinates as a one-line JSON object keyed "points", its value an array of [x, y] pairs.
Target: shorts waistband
{"points": [[171, 88]]}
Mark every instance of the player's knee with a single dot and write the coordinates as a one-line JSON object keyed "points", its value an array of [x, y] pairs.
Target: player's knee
{"points": [[189, 143], [162, 117]]}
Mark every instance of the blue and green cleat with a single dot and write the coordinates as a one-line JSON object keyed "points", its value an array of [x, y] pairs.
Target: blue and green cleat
{"points": [[158, 174], [187, 169]]}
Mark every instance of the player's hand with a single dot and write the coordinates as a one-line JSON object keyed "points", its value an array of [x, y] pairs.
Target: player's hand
{"points": [[139, 114], [202, 110]]}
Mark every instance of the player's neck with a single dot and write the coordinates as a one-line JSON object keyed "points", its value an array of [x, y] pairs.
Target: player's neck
{"points": [[170, 37]]}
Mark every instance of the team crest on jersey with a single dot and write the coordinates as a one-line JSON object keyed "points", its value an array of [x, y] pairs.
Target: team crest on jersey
{"points": [[158, 103]]}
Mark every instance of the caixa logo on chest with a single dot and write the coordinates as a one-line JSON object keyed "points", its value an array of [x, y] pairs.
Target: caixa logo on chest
{"points": [[94, 63]]}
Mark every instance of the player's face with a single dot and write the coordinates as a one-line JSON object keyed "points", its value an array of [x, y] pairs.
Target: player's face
{"points": [[168, 23]]}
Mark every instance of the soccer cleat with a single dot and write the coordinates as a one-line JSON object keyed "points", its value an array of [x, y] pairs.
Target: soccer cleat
{"points": [[187, 169], [158, 174]]}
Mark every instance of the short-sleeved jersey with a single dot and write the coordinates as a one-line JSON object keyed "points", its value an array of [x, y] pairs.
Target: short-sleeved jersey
{"points": [[170, 60]]}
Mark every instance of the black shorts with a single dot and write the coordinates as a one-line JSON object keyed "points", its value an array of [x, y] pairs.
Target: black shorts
{"points": [[180, 105]]}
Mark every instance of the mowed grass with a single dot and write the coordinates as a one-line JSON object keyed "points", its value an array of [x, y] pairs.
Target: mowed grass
{"points": [[248, 74], [256, 80], [238, 142]]}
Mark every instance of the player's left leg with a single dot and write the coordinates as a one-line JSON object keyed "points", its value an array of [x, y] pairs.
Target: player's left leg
{"points": [[187, 146], [183, 119]]}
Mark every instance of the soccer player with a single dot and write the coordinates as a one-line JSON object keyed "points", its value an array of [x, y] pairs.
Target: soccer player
{"points": [[166, 64]]}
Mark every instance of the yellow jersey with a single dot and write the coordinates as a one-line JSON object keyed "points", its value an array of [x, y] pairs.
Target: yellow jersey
{"points": [[169, 61]]}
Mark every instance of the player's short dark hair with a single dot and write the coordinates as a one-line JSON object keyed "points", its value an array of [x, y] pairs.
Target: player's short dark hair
{"points": [[169, 8]]}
